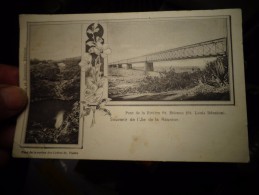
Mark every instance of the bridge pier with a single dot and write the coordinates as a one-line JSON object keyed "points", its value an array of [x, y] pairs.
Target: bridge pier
{"points": [[149, 66], [129, 66]]}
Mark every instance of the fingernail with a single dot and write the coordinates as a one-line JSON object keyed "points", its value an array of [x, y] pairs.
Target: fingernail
{"points": [[14, 98]]}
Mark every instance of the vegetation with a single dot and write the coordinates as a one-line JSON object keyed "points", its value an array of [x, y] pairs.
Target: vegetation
{"points": [[45, 132], [51, 83], [167, 81], [216, 72], [212, 80]]}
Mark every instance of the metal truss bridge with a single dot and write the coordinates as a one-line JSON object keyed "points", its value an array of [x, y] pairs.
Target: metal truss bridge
{"points": [[212, 48]]}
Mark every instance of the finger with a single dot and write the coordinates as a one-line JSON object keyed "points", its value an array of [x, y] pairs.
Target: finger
{"points": [[12, 100], [6, 136], [9, 75]]}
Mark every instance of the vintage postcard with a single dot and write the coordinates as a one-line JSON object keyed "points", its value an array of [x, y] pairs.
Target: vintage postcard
{"points": [[154, 86]]}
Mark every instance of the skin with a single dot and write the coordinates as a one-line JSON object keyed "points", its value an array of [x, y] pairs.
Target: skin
{"points": [[12, 101]]}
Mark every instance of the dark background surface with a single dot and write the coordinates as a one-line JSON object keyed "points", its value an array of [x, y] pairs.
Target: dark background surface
{"points": [[24, 176]]}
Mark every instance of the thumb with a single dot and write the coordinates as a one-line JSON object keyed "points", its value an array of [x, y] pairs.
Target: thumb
{"points": [[12, 100]]}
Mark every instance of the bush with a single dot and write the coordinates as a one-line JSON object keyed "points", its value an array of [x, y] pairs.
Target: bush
{"points": [[169, 80], [216, 72], [34, 61]]}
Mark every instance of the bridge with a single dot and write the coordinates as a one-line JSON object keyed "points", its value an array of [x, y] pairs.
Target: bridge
{"points": [[212, 48]]}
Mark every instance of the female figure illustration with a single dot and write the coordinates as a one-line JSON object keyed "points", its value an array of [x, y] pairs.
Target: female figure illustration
{"points": [[92, 65]]}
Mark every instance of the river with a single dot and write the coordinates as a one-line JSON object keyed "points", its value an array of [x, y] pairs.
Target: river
{"points": [[44, 112]]}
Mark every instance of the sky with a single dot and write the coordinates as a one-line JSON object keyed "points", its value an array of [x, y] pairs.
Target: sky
{"points": [[134, 39], [126, 39], [55, 42]]}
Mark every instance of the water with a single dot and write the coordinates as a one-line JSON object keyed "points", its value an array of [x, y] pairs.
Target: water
{"points": [[45, 112], [59, 119]]}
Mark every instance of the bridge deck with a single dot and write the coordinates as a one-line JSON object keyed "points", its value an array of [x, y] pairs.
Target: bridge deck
{"points": [[210, 48]]}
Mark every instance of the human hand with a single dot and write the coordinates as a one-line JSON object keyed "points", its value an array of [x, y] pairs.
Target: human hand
{"points": [[12, 101]]}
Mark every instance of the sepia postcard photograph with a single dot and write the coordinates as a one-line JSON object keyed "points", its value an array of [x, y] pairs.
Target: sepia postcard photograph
{"points": [[127, 86], [185, 59]]}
